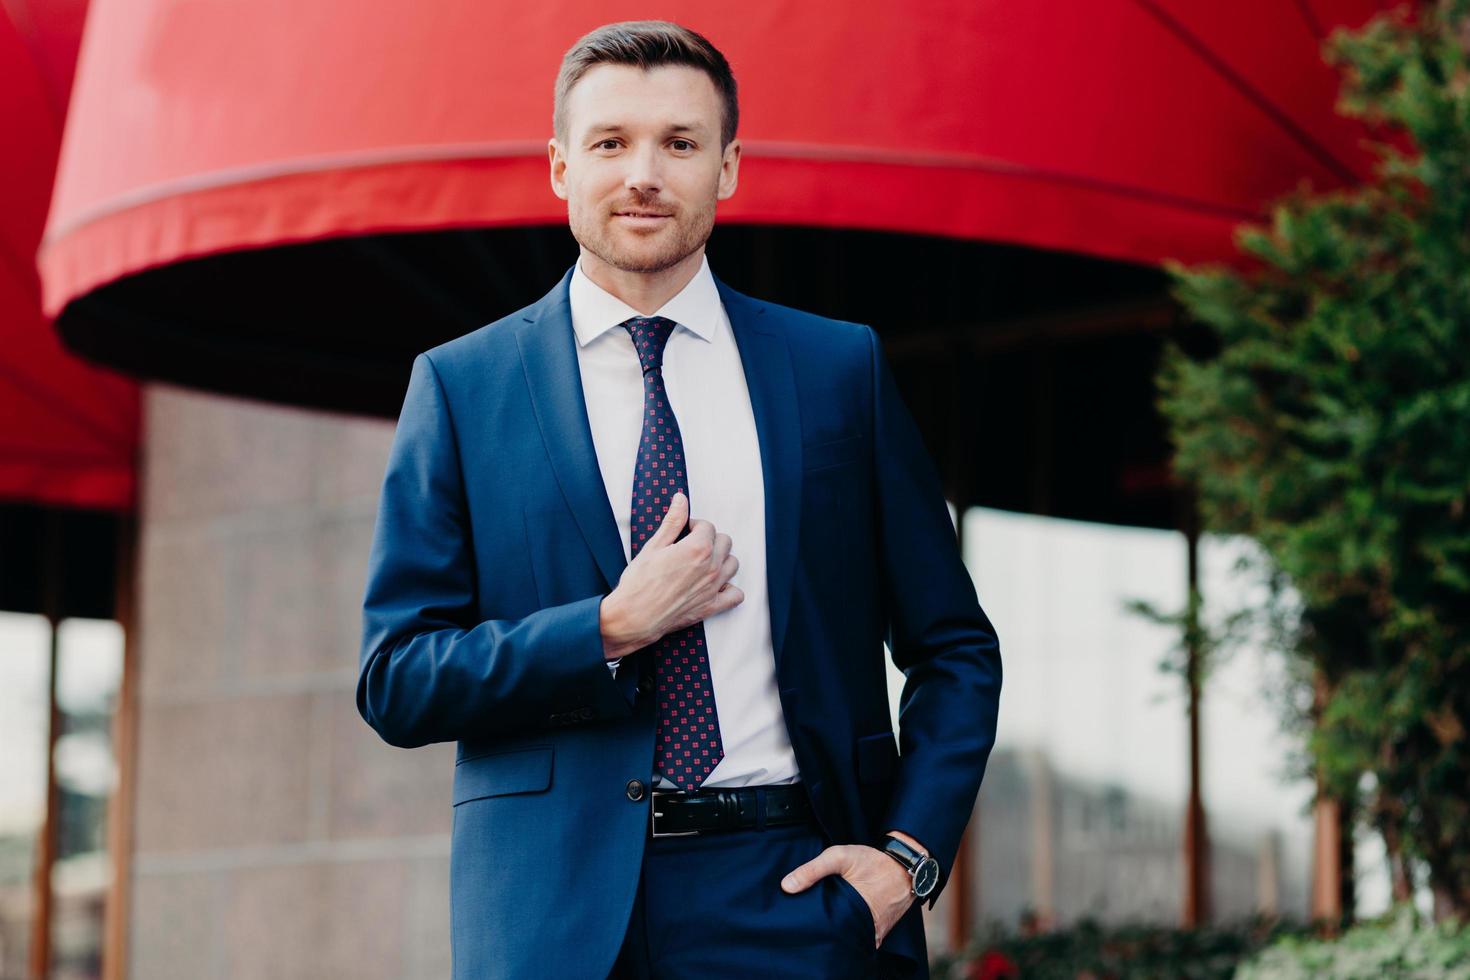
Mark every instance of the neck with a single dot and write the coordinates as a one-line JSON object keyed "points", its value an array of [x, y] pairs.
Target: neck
{"points": [[643, 291]]}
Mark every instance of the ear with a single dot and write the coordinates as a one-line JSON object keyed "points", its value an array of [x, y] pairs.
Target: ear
{"points": [[729, 170], [558, 161]]}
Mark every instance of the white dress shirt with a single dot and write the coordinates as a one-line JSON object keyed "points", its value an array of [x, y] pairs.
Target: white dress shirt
{"points": [[705, 385]]}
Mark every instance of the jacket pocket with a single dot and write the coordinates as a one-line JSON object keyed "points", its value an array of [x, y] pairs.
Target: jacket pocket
{"points": [[503, 773]]}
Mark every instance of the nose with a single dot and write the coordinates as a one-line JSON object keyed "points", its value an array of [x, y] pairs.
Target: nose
{"points": [[643, 170]]}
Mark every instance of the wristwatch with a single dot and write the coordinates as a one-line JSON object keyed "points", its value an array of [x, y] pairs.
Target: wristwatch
{"points": [[923, 870]]}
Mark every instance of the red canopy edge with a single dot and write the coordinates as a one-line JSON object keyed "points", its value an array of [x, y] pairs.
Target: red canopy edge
{"points": [[68, 428], [100, 485], [936, 195]]}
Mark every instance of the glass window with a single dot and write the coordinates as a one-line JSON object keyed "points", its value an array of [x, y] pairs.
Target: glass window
{"points": [[89, 671], [1084, 797], [25, 666]]}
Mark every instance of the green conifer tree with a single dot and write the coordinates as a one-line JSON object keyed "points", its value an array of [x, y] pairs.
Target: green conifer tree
{"points": [[1331, 423]]}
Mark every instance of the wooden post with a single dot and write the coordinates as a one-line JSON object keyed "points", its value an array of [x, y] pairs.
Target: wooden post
{"points": [[124, 745], [1041, 781], [1326, 861], [1333, 895], [40, 952], [1196, 834]]}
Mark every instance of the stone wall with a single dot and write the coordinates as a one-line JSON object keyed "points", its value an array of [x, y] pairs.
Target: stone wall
{"points": [[276, 836]]}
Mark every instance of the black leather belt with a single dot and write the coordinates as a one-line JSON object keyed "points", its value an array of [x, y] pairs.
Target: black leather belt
{"points": [[677, 814]]}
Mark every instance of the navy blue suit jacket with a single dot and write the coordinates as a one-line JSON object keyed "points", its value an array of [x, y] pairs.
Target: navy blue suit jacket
{"points": [[495, 545]]}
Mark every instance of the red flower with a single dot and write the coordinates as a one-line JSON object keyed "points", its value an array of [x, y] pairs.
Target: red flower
{"points": [[993, 966]]}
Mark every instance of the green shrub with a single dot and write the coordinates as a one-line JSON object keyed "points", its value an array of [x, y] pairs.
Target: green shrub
{"points": [[1397, 946]]}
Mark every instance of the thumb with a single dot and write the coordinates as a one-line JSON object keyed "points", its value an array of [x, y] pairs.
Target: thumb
{"points": [[829, 862], [675, 518]]}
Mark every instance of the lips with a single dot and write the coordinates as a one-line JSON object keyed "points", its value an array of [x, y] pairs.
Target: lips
{"points": [[642, 214]]}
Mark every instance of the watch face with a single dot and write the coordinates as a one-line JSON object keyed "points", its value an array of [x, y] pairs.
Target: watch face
{"points": [[926, 876]]}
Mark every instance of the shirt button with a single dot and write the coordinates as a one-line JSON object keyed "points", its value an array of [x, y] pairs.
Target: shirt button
{"points": [[635, 790], [645, 685]]}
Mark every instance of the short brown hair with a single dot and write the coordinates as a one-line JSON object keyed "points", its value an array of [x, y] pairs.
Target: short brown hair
{"points": [[646, 44]]}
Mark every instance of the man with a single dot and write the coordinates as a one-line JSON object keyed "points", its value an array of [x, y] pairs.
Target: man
{"points": [[638, 548]]}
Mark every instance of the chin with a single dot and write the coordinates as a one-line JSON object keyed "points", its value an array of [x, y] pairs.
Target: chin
{"points": [[649, 259], [651, 264]]}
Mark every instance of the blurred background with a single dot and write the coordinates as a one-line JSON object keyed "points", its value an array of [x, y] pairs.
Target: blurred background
{"points": [[228, 228]]}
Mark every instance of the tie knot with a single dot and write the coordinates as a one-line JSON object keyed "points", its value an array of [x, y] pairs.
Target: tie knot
{"points": [[650, 334]]}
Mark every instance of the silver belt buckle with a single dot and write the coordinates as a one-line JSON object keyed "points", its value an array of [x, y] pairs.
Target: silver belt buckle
{"points": [[654, 814]]}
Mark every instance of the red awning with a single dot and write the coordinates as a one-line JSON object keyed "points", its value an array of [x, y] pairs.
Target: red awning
{"points": [[1130, 129], [286, 200], [68, 430]]}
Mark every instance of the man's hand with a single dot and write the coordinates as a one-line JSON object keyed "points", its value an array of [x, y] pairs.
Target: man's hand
{"points": [[881, 881], [669, 584]]}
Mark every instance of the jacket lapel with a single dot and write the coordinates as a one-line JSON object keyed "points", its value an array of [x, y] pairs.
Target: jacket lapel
{"points": [[766, 358], [548, 355]]}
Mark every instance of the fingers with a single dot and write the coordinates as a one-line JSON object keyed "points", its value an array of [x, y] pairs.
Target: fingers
{"points": [[703, 531], [721, 548], [728, 568], [674, 518], [728, 597], [705, 544], [833, 860]]}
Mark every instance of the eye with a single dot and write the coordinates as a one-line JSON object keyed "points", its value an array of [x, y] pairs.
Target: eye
{"points": [[686, 143], [603, 143]]}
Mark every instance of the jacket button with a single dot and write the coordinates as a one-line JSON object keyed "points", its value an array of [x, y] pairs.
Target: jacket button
{"points": [[635, 790], [645, 685]]}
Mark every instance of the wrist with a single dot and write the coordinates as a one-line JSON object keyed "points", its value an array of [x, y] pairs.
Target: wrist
{"points": [[917, 862], [618, 638], [909, 841]]}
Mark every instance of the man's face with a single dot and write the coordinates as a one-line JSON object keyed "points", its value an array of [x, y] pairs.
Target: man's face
{"points": [[642, 167]]}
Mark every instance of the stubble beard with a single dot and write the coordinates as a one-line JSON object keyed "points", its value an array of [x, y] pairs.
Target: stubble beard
{"points": [[594, 233]]}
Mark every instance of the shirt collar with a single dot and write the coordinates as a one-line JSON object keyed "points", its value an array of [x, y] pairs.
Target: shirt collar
{"points": [[595, 311]]}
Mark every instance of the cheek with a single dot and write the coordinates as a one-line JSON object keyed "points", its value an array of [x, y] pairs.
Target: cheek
{"points": [[703, 186], [594, 191]]}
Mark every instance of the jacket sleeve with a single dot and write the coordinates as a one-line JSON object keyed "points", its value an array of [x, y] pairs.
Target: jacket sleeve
{"points": [[937, 635], [429, 670]]}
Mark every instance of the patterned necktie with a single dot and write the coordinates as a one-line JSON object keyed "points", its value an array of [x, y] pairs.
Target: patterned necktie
{"points": [[688, 736]]}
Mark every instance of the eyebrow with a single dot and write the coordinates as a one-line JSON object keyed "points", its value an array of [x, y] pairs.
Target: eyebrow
{"points": [[617, 128]]}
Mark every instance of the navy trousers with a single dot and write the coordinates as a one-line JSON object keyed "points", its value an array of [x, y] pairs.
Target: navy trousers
{"points": [[711, 906]]}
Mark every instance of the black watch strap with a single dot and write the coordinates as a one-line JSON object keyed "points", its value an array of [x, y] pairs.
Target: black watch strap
{"points": [[923, 869], [906, 855]]}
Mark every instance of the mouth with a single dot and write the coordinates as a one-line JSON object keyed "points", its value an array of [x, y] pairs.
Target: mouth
{"points": [[638, 218]]}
